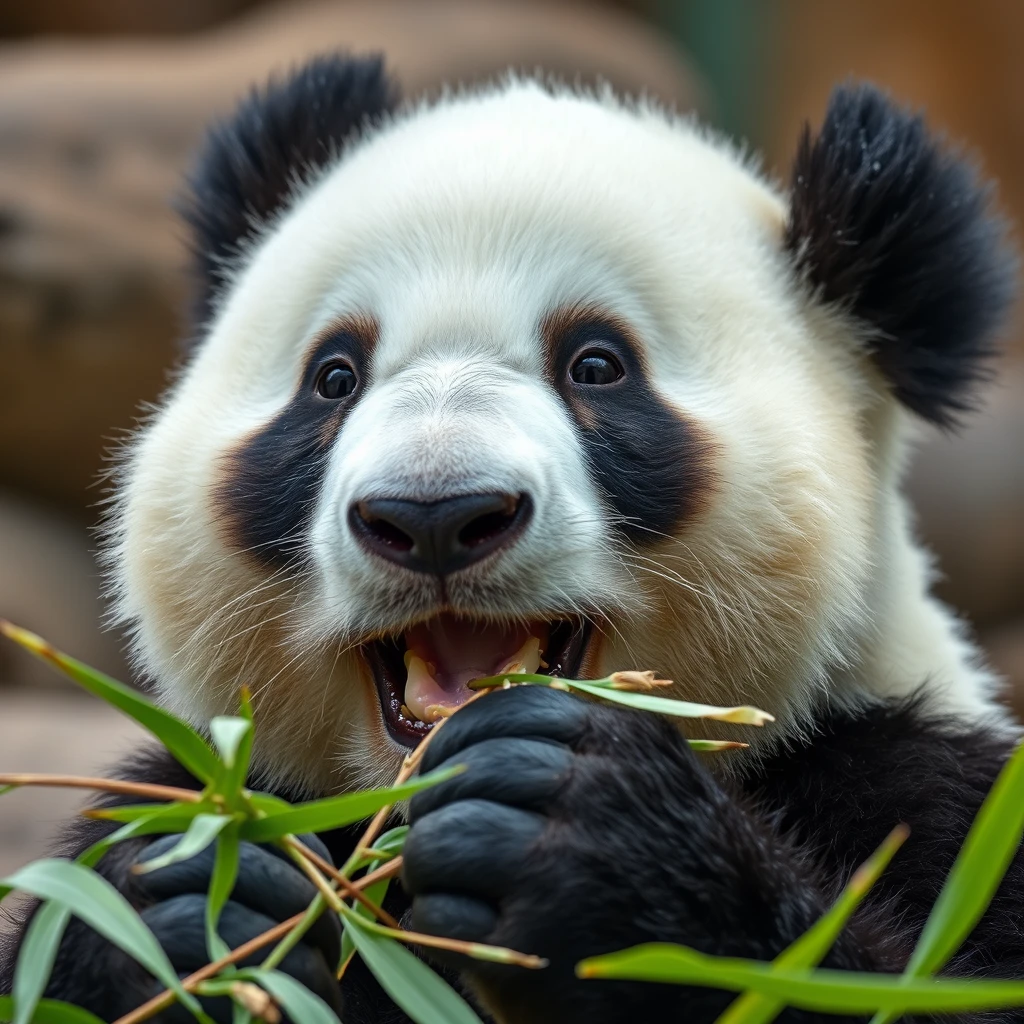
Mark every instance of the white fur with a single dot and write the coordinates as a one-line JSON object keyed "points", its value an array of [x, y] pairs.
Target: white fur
{"points": [[459, 228]]}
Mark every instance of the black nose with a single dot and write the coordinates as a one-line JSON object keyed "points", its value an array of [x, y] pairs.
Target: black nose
{"points": [[439, 537]]}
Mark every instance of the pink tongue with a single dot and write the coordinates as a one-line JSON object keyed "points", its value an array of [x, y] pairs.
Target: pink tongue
{"points": [[464, 649], [446, 653]]}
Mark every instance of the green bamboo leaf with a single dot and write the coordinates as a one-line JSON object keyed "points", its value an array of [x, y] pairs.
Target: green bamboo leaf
{"points": [[36, 958], [811, 947], [227, 733], [240, 1015], [179, 738], [390, 842], [610, 689], [222, 881], [335, 811], [49, 1011], [840, 992], [7, 789], [203, 830], [715, 746], [267, 803], [988, 850], [668, 706], [92, 898], [298, 1002], [424, 995], [170, 817]]}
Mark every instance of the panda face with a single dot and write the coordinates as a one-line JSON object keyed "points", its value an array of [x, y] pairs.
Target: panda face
{"points": [[523, 379]]}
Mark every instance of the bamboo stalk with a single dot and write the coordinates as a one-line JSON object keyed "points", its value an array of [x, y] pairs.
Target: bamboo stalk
{"points": [[349, 887], [477, 950], [105, 785], [164, 999], [388, 870]]}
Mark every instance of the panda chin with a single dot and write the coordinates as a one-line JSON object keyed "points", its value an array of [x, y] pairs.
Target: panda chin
{"points": [[422, 675]]}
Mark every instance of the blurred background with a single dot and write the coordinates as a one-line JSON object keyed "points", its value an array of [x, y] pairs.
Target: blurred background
{"points": [[101, 103]]}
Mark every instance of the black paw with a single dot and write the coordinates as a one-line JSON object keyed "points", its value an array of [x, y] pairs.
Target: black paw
{"points": [[576, 830], [269, 889]]}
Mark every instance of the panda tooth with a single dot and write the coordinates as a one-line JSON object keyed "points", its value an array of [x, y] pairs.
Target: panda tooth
{"points": [[408, 713], [434, 712], [527, 659]]}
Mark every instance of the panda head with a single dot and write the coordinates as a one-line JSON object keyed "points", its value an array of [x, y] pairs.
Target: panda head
{"points": [[526, 374]]}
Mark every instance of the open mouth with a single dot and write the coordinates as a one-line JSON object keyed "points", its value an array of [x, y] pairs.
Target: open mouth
{"points": [[423, 675]]}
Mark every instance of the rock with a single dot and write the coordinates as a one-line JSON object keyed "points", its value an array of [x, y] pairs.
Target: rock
{"points": [[1005, 648], [968, 489], [94, 137], [49, 583], [49, 732]]}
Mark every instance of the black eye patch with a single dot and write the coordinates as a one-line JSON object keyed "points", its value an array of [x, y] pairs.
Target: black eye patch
{"points": [[653, 466], [271, 480]]}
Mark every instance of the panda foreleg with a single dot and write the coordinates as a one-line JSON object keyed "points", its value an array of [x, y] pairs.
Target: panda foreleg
{"points": [[580, 829], [92, 973]]}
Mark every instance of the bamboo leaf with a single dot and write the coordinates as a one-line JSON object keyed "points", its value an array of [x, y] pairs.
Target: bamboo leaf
{"points": [[390, 842], [222, 881], [607, 689], [810, 948], [36, 958], [990, 846], [179, 738], [202, 831], [298, 1002], [715, 746], [424, 995], [49, 1011], [227, 733], [92, 898], [668, 706], [169, 817], [840, 992], [335, 811], [233, 739]]}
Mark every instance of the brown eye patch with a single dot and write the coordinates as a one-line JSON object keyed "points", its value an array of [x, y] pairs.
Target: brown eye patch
{"points": [[650, 462], [271, 480]]}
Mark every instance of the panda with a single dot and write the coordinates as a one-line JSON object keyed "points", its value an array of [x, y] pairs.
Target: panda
{"points": [[528, 373]]}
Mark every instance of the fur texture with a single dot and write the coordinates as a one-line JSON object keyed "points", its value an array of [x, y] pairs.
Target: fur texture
{"points": [[726, 511], [560, 795], [783, 561], [278, 139], [891, 226]]}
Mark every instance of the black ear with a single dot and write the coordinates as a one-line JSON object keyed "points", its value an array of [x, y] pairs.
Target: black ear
{"points": [[897, 229], [251, 163]]}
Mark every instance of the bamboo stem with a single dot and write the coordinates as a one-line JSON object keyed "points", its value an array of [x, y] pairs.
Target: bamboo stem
{"points": [[477, 950], [165, 998], [105, 785], [388, 870], [409, 765], [350, 889]]}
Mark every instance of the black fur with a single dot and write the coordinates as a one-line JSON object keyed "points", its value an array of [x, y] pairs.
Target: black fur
{"points": [[96, 975], [277, 138], [271, 480], [581, 828], [651, 463], [892, 226]]}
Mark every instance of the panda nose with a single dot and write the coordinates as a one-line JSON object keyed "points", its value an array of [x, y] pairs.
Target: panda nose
{"points": [[439, 537]]}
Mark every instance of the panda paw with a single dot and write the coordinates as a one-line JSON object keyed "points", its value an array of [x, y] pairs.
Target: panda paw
{"points": [[269, 889], [576, 830]]}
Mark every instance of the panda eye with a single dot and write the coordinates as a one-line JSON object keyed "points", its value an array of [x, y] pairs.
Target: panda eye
{"points": [[596, 367], [336, 381]]}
